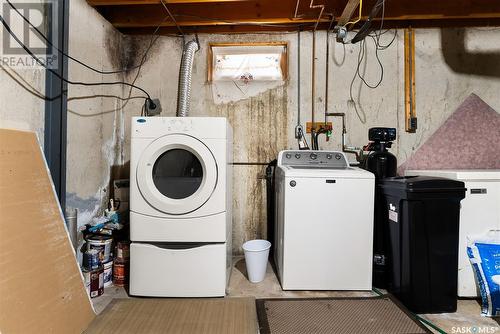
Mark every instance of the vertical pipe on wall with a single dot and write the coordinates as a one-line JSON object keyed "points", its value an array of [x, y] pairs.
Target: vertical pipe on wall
{"points": [[298, 77], [313, 86], [410, 112], [327, 70]]}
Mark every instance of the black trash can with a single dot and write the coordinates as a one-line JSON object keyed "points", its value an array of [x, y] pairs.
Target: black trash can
{"points": [[423, 217]]}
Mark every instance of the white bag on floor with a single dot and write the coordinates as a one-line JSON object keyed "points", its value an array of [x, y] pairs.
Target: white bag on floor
{"points": [[484, 255]]}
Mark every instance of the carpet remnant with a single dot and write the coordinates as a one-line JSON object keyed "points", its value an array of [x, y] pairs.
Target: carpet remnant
{"points": [[177, 316], [468, 139]]}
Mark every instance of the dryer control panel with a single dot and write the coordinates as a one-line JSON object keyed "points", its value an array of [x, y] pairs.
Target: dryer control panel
{"points": [[315, 159]]}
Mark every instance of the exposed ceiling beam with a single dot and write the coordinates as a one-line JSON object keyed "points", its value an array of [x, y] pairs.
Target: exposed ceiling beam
{"points": [[238, 29], [246, 22], [96, 3], [348, 12], [266, 15]]}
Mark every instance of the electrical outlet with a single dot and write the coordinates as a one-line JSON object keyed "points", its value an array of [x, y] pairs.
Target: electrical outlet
{"points": [[412, 125], [299, 131], [153, 107], [328, 126]]}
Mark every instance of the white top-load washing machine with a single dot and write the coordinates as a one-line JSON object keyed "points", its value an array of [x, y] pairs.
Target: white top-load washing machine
{"points": [[479, 213], [180, 206], [324, 223]]}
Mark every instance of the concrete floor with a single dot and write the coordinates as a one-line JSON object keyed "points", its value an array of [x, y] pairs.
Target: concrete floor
{"points": [[467, 319]]}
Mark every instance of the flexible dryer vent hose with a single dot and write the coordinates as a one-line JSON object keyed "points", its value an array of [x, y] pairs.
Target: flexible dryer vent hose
{"points": [[184, 90]]}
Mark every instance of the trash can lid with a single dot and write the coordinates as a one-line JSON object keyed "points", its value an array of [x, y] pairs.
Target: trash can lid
{"points": [[422, 184]]}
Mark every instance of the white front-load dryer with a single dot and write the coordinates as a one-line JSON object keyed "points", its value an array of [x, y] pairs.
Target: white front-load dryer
{"points": [[180, 206], [179, 179]]}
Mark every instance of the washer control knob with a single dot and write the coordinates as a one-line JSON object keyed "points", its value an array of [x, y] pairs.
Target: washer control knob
{"points": [[338, 156], [328, 156], [293, 183], [313, 156], [297, 155], [288, 155]]}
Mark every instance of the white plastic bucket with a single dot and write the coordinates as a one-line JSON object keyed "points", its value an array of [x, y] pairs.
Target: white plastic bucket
{"points": [[256, 254]]}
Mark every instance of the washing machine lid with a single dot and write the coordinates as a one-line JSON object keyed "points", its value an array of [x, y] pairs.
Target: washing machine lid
{"points": [[307, 163], [177, 174], [322, 172]]}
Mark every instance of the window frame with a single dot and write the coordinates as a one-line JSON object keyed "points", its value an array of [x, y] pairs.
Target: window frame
{"points": [[210, 55]]}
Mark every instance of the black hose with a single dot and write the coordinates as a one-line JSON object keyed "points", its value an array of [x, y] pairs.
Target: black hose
{"points": [[270, 201]]}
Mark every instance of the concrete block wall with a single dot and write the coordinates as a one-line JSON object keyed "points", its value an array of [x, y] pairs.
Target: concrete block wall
{"points": [[95, 130], [263, 123], [21, 107]]}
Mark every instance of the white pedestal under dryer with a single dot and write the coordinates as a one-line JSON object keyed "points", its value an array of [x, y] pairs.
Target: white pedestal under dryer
{"points": [[324, 223], [180, 206]]}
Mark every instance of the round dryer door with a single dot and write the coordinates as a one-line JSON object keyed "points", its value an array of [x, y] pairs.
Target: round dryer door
{"points": [[177, 174]]}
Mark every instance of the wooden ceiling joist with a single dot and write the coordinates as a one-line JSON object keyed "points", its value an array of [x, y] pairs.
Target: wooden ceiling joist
{"points": [[96, 3], [132, 16]]}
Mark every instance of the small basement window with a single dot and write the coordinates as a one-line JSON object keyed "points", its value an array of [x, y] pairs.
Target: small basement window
{"points": [[248, 62]]}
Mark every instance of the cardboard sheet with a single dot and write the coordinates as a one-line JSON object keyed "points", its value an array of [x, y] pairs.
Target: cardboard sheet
{"points": [[41, 287], [177, 316]]}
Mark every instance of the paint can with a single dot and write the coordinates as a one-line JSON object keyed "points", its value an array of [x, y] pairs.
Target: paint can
{"points": [[91, 259], [86, 280], [96, 282], [122, 251], [120, 273], [108, 273], [102, 244]]}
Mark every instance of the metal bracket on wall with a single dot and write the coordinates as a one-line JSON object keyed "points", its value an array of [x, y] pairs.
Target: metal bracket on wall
{"points": [[410, 111]]}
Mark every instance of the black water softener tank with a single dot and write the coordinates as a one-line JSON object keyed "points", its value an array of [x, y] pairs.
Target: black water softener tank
{"points": [[383, 164]]}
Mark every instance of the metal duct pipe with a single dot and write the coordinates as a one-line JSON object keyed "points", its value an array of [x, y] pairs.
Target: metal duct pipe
{"points": [[184, 90]]}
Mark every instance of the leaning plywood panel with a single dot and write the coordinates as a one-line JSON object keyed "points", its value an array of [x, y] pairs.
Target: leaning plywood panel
{"points": [[41, 287]]}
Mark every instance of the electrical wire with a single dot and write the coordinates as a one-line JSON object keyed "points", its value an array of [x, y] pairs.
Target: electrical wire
{"points": [[34, 91], [80, 83], [362, 54], [362, 48], [351, 98], [75, 59], [359, 17], [175, 22]]}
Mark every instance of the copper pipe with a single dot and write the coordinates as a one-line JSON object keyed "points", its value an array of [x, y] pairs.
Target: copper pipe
{"points": [[327, 75], [312, 6], [320, 13], [313, 70], [313, 85], [357, 151]]}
